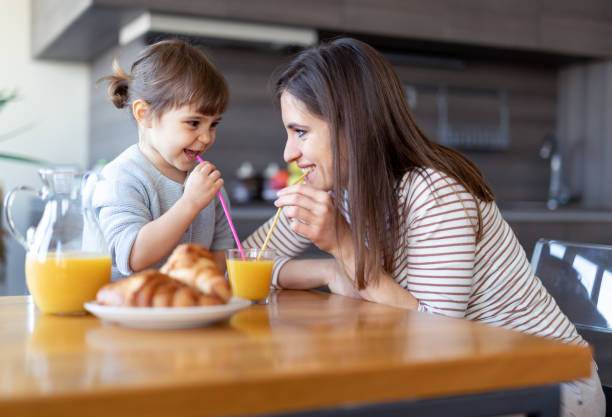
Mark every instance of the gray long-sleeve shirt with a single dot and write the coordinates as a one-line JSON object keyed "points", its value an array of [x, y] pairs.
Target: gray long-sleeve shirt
{"points": [[132, 193]]}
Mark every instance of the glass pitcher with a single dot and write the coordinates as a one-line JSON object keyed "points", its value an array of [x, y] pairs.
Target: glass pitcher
{"points": [[67, 259]]}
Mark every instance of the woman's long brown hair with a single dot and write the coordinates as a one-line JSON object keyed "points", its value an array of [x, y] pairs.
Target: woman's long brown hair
{"points": [[354, 88]]}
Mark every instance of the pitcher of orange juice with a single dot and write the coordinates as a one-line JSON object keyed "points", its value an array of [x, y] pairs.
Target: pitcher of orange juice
{"points": [[67, 259]]}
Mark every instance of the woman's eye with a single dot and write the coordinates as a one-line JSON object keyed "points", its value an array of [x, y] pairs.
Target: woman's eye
{"points": [[214, 125], [300, 132], [193, 123]]}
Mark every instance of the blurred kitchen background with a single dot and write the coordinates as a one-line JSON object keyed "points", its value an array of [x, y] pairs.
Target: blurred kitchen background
{"points": [[523, 87]]}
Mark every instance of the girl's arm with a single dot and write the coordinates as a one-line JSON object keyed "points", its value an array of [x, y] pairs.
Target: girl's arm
{"points": [[159, 237]]}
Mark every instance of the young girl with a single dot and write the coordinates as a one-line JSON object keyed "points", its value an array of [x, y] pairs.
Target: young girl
{"points": [[409, 222], [154, 194]]}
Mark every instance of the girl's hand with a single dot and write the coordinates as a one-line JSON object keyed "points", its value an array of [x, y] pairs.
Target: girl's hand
{"points": [[314, 216], [202, 185]]}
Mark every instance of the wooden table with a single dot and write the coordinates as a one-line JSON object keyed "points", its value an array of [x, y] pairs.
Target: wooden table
{"points": [[303, 351]]}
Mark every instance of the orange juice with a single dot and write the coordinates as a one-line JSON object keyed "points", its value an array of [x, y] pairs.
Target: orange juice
{"points": [[63, 284], [250, 278]]}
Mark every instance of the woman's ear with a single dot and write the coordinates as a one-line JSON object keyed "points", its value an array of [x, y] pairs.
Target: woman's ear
{"points": [[140, 109]]}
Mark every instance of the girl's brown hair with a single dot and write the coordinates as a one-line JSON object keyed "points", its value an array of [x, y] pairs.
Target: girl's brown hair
{"points": [[167, 75], [354, 88]]}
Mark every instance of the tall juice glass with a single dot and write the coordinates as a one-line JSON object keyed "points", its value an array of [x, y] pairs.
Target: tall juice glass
{"points": [[250, 277]]}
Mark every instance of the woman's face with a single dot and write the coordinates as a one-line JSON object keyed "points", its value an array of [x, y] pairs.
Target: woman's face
{"points": [[308, 142]]}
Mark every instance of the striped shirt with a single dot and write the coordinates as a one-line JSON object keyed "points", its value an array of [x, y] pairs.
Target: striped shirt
{"points": [[440, 263]]}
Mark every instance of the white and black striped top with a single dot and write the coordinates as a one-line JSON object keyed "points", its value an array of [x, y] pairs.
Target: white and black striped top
{"points": [[442, 265]]}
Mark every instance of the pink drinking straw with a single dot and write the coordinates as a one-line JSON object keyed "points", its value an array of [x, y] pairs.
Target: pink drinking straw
{"points": [[229, 219]]}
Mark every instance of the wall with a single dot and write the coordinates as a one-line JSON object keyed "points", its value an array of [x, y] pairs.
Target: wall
{"points": [[531, 101], [585, 130], [53, 108]]}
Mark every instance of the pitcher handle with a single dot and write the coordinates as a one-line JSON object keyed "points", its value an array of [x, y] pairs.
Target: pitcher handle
{"points": [[8, 203]]}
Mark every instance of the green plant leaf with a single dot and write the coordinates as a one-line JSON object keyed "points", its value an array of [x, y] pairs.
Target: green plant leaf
{"points": [[6, 97], [15, 132], [25, 159]]}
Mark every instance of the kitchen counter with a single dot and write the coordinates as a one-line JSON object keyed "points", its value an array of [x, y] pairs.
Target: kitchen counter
{"points": [[536, 211], [520, 211]]}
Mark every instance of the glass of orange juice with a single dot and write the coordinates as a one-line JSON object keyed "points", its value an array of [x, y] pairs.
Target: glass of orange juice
{"points": [[250, 277]]}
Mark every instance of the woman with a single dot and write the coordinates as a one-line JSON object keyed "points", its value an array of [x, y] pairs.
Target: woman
{"points": [[409, 222]]}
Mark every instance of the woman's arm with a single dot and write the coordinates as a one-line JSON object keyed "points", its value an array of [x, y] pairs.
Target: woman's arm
{"points": [[286, 243], [303, 274], [383, 290], [439, 253], [438, 258], [387, 291], [317, 221]]}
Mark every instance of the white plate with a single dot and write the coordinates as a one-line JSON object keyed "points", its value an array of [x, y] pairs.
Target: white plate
{"points": [[166, 317]]}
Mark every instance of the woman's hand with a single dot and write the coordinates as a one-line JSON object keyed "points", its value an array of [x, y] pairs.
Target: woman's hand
{"points": [[385, 290], [317, 221], [314, 217], [339, 283], [202, 185]]}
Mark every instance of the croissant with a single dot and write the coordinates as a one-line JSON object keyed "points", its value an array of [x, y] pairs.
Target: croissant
{"points": [[153, 289], [195, 265]]}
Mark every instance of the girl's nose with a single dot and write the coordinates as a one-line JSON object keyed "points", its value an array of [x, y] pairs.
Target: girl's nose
{"points": [[205, 137], [292, 151]]}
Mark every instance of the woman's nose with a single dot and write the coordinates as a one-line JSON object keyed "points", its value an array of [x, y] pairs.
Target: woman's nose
{"points": [[292, 151]]}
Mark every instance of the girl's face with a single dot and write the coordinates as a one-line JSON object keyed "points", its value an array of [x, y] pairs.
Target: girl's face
{"points": [[308, 142], [173, 140]]}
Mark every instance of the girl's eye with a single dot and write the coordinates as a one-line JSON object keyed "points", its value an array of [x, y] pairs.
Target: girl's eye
{"points": [[214, 125], [300, 132], [193, 123]]}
